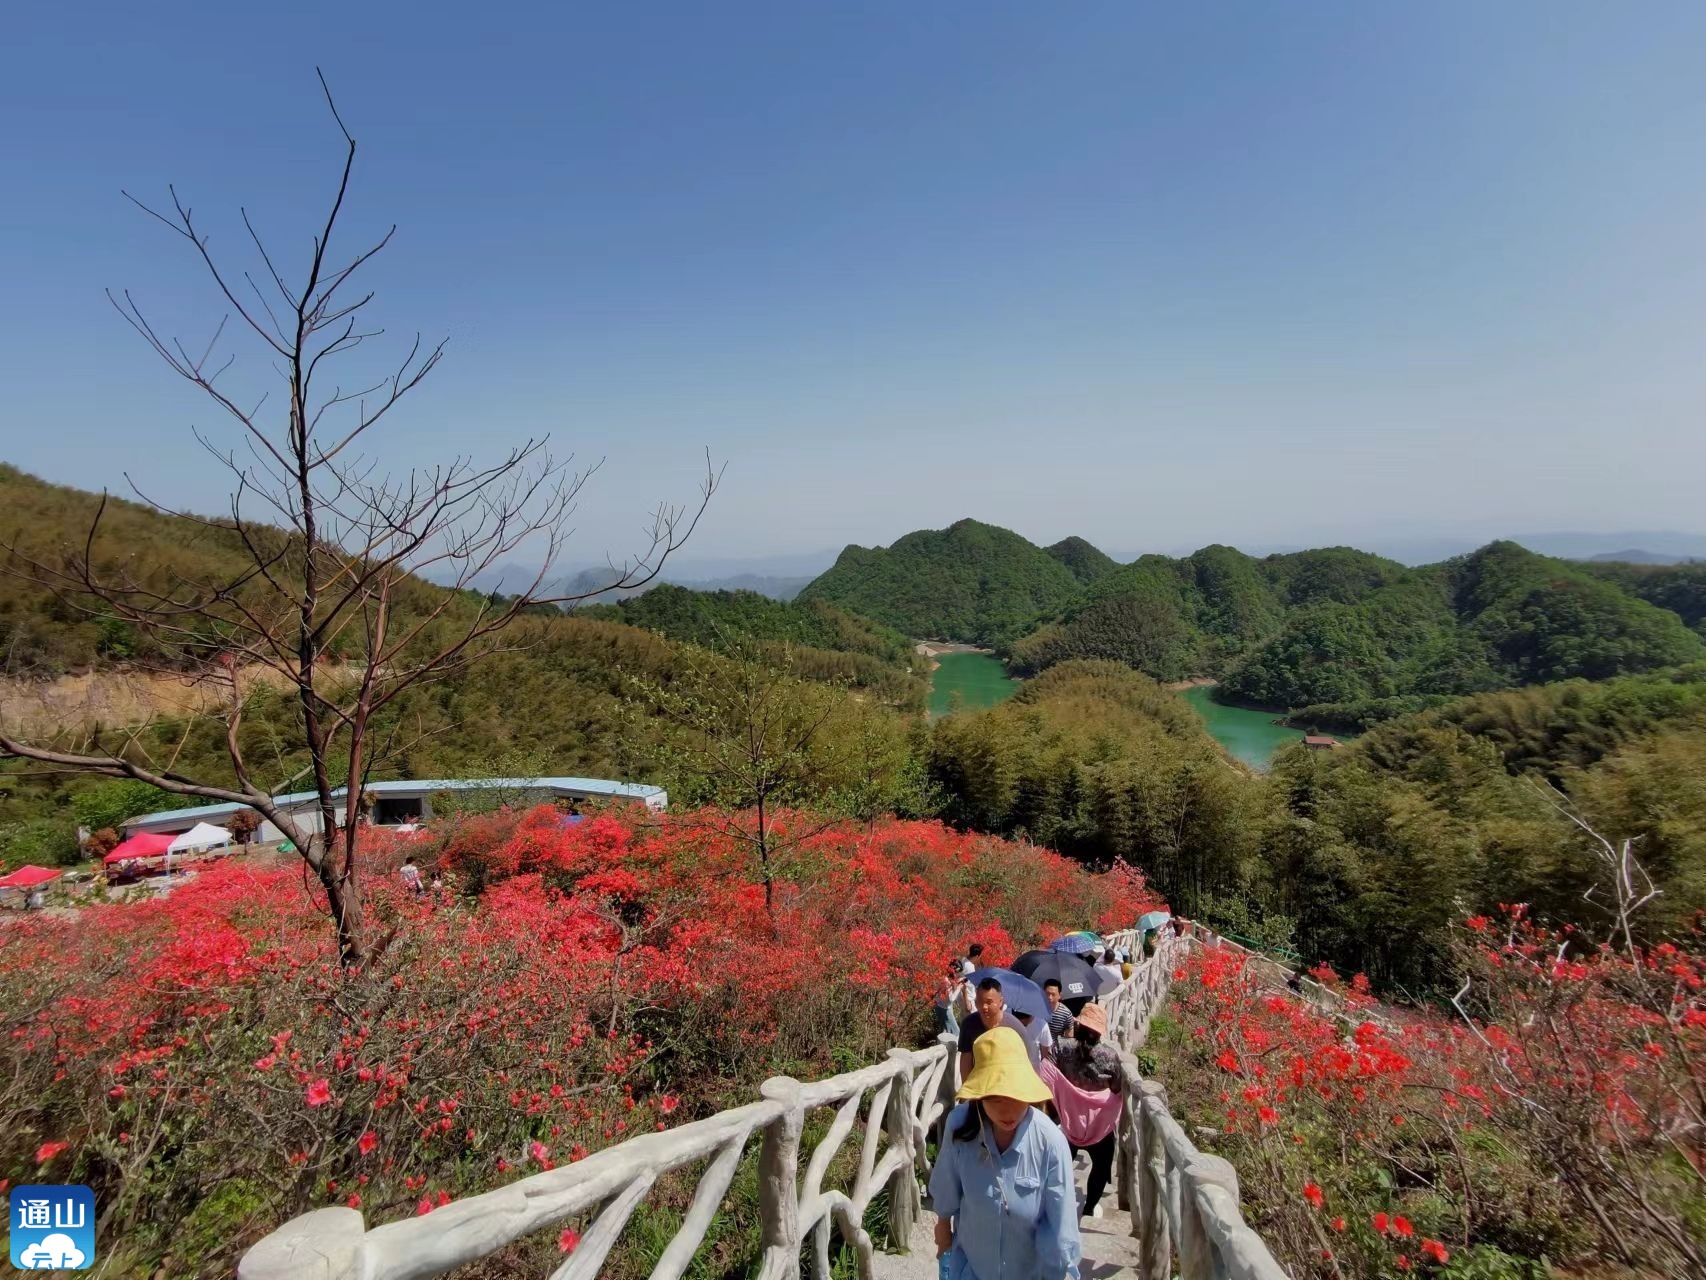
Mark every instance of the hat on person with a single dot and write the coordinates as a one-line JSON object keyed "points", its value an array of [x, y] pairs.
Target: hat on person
{"points": [[1094, 1017], [1002, 1069]]}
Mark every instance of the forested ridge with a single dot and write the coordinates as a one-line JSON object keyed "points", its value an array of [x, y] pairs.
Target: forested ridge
{"points": [[1337, 636], [971, 582], [813, 636]]}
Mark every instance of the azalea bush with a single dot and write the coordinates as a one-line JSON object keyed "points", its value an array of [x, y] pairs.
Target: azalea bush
{"points": [[204, 1063], [1554, 1119]]}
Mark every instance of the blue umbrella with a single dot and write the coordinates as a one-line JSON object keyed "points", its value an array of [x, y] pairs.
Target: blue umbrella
{"points": [[1021, 994], [1153, 920], [1077, 944]]}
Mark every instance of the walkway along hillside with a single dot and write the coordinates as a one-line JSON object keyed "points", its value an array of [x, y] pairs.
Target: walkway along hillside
{"points": [[1183, 1205]]}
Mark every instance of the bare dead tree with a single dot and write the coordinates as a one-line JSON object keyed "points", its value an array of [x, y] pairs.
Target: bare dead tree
{"points": [[327, 601]]}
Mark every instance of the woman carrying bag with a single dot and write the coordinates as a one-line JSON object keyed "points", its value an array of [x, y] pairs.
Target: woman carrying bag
{"points": [[1002, 1187]]}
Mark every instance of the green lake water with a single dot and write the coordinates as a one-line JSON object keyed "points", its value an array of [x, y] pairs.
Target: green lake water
{"points": [[1250, 736], [968, 682]]}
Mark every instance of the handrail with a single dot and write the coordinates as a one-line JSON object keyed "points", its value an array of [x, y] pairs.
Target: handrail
{"points": [[897, 1103], [897, 1100]]}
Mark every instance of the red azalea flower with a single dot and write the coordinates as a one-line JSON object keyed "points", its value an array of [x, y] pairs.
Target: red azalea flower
{"points": [[367, 1142], [1338, 1224], [354, 1202], [1313, 1194], [1380, 1221], [1402, 1226], [568, 1241], [1437, 1251], [48, 1150], [319, 1093], [424, 1207]]}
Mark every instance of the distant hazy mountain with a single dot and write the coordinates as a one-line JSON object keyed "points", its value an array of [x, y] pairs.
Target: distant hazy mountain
{"points": [[1633, 556], [779, 577]]}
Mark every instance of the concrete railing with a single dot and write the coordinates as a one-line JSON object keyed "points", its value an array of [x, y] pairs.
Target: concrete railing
{"points": [[1185, 1202], [893, 1103]]}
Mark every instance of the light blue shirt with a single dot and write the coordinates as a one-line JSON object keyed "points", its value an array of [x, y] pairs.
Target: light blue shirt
{"points": [[1015, 1211]]}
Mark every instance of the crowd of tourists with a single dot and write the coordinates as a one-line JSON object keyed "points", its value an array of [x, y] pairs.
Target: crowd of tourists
{"points": [[1041, 1085]]}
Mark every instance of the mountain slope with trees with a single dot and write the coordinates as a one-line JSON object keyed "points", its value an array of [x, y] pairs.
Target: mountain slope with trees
{"points": [[1087, 562], [815, 637], [1196, 615], [1498, 618], [970, 582]]}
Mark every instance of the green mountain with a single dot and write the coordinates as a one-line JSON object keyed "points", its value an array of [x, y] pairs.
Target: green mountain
{"points": [[816, 638], [42, 636], [1174, 618], [1498, 618], [969, 582], [1086, 562], [1681, 588]]}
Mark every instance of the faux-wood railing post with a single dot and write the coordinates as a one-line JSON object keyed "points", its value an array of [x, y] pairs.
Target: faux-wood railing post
{"points": [[779, 1181], [950, 1087], [1155, 1250], [905, 1201], [1196, 1248]]}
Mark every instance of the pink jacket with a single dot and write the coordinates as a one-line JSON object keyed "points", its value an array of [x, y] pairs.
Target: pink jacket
{"points": [[1087, 1116]]}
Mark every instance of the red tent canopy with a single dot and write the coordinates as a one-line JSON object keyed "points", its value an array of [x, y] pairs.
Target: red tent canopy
{"points": [[144, 844], [27, 878]]}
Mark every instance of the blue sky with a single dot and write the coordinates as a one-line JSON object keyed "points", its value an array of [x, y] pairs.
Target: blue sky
{"points": [[1156, 276]]}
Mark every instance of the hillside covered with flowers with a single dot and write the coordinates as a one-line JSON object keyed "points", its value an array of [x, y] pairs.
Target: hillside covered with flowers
{"points": [[1554, 1119], [203, 1064]]}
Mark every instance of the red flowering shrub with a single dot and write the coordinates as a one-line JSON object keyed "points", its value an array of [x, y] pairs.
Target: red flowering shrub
{"points": [[1562, 1120], [209, 1039]]}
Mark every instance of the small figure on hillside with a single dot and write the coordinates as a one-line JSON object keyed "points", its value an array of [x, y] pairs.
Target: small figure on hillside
{"points": [[1086, 1079], [1002, 1187], [437, 884], [1295, 982], [949, 995], [970, 963], [411, 876]]}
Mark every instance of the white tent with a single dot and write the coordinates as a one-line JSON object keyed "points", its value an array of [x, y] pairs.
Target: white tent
{"points": [[204, 835]]}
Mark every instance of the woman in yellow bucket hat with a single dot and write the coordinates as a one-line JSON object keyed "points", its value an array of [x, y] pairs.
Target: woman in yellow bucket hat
{"points": [[1002, 1188]]}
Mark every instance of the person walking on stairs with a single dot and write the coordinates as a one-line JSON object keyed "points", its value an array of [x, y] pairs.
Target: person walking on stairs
{"points": [[1086, 1080], [1002, 1187]]}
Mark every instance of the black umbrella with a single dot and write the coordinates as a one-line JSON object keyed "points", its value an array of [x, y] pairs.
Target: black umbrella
{"points": [[1077, 979]]}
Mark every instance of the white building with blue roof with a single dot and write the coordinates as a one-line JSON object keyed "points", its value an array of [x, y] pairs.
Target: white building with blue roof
{"points": [[399, 803]]}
